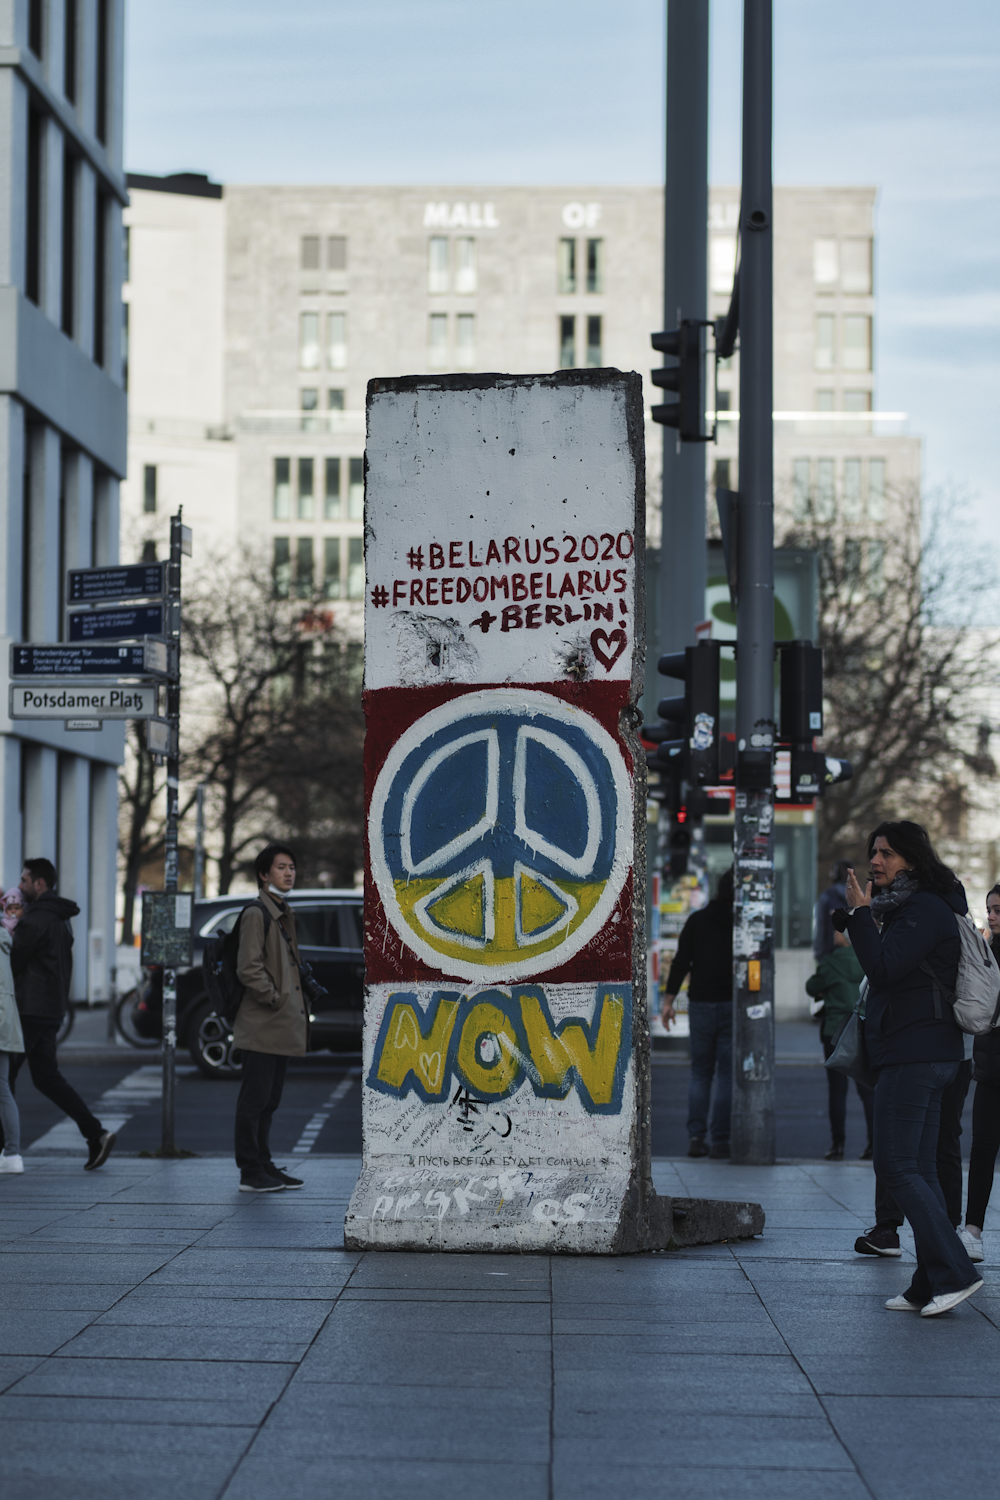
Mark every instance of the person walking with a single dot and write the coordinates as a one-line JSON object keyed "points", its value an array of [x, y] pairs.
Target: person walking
{"points": [[836, 982], [830, 900], [985, 1111], [11, 1045], [913, 1042], [41, 958], [271, 1023], [705, 951]]}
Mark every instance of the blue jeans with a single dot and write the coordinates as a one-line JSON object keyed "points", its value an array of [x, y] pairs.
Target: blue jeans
{"points": [[711, 1024], [907, 1124]]}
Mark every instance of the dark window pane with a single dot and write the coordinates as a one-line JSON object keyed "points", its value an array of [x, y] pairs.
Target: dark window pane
{"points": [[310, 252], [149, 488], [567, 343], [594, 350], [350, 927], [304, 567], [282, 567], [336, 253]]}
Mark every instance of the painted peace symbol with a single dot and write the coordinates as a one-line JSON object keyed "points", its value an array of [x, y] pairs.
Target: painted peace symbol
{"points": [[500, 832]]}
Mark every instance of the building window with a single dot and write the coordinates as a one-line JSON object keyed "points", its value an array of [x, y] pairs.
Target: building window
{"points": [[800, 489], [309, 340], [126, 253], [103, 71], [594, 345], [282, 489], [36, 27], [567, 343], [595, 265], [148, 552], [857, 400], [309, 252], [857, 350], [336, 341], [68, 242], [355, 568], [336, 252], [826, 495], [331, 490], [307, 501], [824, 341], [465, 266], [437, 264], [335, 399], [282, 566], [824, 401], [309, 402], [149, 489], [723, 469], [355, 489], [856, 267], [852, 565], [722, 263], [567, 267], [69, 53], [852, 489], [437, 341], [331, 567], [125, 308], [876, 489], [876, 564], [304, 567], [33, 209], [826, 264], [465, 340]]}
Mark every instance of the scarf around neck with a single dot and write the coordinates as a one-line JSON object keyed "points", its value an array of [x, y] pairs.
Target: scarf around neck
{"points": [[892, 896]]}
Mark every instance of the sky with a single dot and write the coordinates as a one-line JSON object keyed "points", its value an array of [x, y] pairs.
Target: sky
{"points": [[900, 94]]}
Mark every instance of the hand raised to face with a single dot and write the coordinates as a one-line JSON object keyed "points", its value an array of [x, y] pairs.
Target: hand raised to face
{"points": [[855, 895]]}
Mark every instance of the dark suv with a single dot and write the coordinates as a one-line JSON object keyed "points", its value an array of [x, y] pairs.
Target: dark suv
{"points": [[329, 931]]}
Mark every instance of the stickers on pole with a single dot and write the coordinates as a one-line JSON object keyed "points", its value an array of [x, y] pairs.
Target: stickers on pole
{"points": [[503, 527]]}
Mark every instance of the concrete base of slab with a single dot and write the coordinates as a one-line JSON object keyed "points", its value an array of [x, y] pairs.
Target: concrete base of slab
{"points": [[531, 1211]]}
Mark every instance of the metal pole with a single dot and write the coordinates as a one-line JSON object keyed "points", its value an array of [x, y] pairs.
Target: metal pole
{"points": [[683, 557], [753, 914], [199, 842], [173, 624]]}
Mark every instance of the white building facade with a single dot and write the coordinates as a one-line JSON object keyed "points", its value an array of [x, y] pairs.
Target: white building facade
{"points": [[62, 425]]}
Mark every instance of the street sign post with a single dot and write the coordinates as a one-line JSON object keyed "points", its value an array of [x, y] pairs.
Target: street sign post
{"points": [[95, 700], [117, 624], [91, 585], [144, 658]]}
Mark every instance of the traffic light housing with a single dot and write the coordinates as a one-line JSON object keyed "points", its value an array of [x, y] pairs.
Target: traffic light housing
{"points": [[694, 717], [810, 771], [688, 377]]}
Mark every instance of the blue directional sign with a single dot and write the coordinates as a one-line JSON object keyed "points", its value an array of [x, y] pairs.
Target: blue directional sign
{"points": [[91, 585], [116, 624], [78, 661]]}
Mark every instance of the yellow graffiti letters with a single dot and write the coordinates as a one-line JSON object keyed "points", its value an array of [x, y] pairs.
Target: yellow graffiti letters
{"points": [[411, 1051]]}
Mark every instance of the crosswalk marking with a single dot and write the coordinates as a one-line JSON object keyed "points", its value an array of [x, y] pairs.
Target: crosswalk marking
{"points": [[114, 1108], [308, 1138]]}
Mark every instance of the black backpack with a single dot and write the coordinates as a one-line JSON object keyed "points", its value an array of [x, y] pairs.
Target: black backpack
{"points": [[218, 965]]}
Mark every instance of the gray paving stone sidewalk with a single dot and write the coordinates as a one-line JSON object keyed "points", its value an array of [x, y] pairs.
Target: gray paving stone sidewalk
{"points": [[163, 1335]]}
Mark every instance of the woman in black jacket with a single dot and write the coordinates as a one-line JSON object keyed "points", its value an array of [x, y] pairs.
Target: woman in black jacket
{"points": [[985, 1110], [913, 1043]]}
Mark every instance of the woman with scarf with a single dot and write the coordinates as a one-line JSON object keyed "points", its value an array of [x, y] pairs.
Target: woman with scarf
{"points": [[985, 1110], [914, 1045]]}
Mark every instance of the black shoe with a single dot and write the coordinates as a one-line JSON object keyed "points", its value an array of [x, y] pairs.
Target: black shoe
{"points": [[836, 1151], [283, 1177], [866, 1154], [696, 1146], [100, 1149], [720, 1151], [878, 1241], [260, 1180]]}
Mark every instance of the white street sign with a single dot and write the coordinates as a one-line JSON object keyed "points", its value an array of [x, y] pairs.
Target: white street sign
{"points": [[67, 700]]}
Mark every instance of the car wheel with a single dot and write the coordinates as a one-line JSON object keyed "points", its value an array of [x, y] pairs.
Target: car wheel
{"points": [[211, 1043]]}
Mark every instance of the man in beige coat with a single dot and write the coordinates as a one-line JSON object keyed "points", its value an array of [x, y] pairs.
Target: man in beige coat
{"points": [[271, 1023]]}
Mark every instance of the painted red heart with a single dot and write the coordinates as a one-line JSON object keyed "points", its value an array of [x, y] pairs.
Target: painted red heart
{"points": [[610, 638]]}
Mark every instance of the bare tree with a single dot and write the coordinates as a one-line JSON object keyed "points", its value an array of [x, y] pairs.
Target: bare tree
{"points": [[140, 830], [901, 683]]}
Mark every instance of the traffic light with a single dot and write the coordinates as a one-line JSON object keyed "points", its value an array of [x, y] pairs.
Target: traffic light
{"points": [[803, 773], [687, 377], [694, 718]]}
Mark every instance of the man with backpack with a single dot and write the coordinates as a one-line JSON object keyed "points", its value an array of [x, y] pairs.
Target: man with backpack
{"points": [[271, 1022]]}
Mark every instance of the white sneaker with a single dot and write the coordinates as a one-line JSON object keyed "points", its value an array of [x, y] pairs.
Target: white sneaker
{"points": [[973, 1244], [948, 1300], [902, 1304], [11, 1163]]}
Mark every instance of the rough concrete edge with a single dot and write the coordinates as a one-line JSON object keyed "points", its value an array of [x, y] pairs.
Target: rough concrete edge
{"points": [[707, 1221]]}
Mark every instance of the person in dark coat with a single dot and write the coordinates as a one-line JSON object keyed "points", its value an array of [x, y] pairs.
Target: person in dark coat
{"points": [[836, 982], [985, 1111], [830, 900], [705, 951], [41, 958], [913, 1043]]}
